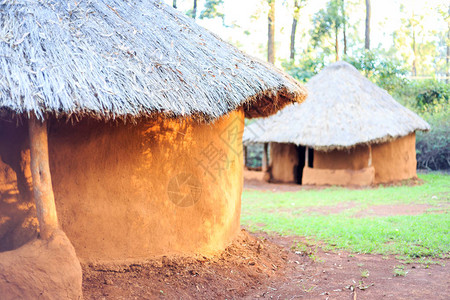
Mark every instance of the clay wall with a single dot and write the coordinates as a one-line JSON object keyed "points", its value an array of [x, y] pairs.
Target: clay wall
{"points": [[344, 177], [355, 158], [395, 160], [162, 187]]}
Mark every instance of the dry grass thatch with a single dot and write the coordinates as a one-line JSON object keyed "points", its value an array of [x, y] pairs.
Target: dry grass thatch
{"points": [[127, 59], [343, 109]]}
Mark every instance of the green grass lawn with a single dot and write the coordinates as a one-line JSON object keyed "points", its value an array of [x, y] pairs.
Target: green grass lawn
{"points": [[300, 213]]}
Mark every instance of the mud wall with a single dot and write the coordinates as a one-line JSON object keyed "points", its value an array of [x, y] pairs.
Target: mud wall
{"points": [[355, 158], [283, 162], [18, 222], [395, 160], [344, 177], [162, 187]]}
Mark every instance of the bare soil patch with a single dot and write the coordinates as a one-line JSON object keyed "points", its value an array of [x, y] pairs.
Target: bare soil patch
{"points": [[263, 266], [398, 209]]}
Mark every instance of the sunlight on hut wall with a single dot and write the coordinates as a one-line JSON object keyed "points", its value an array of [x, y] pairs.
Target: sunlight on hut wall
{"points": [[156, 188]]}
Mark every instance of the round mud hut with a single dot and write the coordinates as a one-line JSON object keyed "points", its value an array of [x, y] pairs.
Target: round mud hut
{"points": [[121, 134], [347, 132]]}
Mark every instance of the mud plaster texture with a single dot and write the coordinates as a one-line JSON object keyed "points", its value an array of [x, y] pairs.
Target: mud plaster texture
{"points": [[356, 158], [392, 161], [284, 162], [395, 160], [41, 269], [345, 177], [125, 193]]}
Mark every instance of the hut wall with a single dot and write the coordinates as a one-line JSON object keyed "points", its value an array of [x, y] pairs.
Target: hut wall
{"points": [[395, 160], [18, 222], [344, 177], [340, 167], [162, 187], [284, 161], [354, 159]]}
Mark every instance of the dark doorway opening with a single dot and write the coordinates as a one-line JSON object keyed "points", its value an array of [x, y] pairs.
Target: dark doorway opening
{"points": [[301, 150]]}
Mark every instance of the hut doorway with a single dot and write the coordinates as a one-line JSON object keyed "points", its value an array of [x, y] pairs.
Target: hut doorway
{"points": [[301, 153]]}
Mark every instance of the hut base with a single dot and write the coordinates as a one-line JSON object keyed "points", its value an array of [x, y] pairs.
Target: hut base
{"points": [[344, 177], [41, 269]]}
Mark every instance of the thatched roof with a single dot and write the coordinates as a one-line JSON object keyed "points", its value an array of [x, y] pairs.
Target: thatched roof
{"points": [[343, 109], [127, 59]]}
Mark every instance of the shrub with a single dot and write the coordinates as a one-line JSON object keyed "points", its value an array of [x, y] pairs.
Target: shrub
{"points": [[424, 96], [433, 147]]}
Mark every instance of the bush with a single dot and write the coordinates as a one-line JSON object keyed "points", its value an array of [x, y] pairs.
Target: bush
{"points": [[254, 155], [426, 96], [433, 147], [385, 71], [305, 68]]}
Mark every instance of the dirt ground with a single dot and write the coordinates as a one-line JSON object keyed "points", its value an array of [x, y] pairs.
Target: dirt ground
{"points": [[262, 266], [272, 267]]}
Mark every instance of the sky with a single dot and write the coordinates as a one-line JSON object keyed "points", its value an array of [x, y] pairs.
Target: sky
{"points": [[386, 18]]}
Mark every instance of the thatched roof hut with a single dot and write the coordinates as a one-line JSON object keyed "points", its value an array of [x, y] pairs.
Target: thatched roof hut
{"points": [[121, 126], [344, 113]]}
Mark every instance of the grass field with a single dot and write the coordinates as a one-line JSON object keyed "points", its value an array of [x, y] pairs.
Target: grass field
{"points": [[304, 213]]}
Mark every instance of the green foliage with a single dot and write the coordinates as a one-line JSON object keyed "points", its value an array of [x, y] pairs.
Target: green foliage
{"points": [[212, 10], [399, 270], [305, 68], [425, 96], [326, 22], [254, 155], [414, 236], [383, 70], [430, 99], [433, 147]]}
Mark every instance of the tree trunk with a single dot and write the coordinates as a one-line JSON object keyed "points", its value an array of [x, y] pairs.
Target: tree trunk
{"points": [[367, 43], [336, 46], [447, 58], [294, 29], [344, 21], [42, 180], [271, 33], [194, 10], [174, 3], [414, 63]]}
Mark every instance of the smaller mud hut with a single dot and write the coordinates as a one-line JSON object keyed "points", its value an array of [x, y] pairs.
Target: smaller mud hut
{"points": [[120, 138], [348, 132]]}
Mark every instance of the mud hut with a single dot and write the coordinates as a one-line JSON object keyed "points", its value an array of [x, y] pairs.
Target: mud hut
{"points": [[348, 132], [121, 134]]}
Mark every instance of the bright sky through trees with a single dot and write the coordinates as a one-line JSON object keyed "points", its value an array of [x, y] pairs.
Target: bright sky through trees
{"points": [[250, 20]]}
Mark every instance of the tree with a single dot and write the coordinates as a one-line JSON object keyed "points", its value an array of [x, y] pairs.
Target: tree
{"points": [[344, 22], [193, 12], [367, 41], [298, 4], [271, 32], [447, 57], [212, 10], [327, 22]]}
